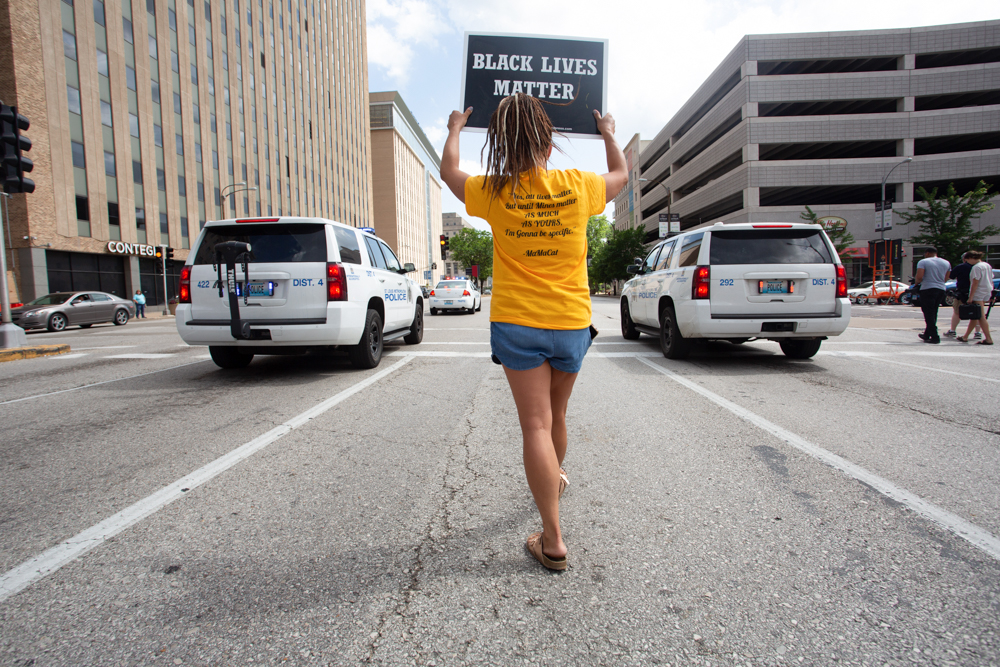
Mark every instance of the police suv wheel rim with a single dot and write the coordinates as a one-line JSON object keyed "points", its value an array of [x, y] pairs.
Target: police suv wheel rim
{"points": [[374, 340]]}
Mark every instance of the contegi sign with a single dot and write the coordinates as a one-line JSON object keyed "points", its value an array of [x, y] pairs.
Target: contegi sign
{"points": [[119, 248], [568, 75]]}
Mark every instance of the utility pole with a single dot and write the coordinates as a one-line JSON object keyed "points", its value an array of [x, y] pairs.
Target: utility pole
{"points": [[15, 164], [11, 335], [163, 258]]}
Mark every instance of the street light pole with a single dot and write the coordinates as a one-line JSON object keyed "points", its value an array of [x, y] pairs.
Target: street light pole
{"points": [[236, 188], [882, 224]]}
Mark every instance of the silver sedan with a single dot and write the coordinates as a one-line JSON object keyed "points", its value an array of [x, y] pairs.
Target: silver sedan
{"points": [[58, 310], [460, 295]]}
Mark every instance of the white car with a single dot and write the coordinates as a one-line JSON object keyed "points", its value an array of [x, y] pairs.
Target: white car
{"points": [[460, 295], [738, 282], [885, 291], [313, 283]]}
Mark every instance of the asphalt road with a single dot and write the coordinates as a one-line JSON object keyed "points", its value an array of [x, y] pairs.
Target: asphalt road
{"points": [[735, 508]]}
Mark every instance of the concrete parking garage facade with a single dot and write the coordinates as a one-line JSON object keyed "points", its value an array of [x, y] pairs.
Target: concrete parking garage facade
{"points": [[819, 119]]}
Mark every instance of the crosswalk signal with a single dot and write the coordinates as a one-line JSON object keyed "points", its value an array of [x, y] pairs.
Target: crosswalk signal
{"points": [[13, 145]]}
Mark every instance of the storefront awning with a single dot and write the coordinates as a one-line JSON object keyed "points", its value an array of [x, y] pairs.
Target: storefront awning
{"points": [[857, 252]]}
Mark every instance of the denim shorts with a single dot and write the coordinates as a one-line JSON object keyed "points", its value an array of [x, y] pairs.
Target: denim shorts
{"points": [[522, 348]]}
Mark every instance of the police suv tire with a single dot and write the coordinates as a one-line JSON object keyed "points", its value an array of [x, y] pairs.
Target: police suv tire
{"points": [[797, 348], [368, 352], [417, 328], [57, 322], [629, 332], [480, 306], [434, 311], [121, 317], [672, 343], [228, 356]]}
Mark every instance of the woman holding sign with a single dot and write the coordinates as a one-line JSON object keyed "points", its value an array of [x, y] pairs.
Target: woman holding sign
{"points": [[540, 311]]}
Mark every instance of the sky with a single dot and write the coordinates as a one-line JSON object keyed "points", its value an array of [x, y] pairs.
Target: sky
{"points": [[660, 52]]}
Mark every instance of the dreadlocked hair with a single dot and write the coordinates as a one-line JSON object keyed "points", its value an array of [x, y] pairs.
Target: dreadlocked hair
{"points": [[519, 137]]}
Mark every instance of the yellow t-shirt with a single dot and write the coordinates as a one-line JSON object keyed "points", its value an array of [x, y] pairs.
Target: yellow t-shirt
{"points": [[540, 247]]}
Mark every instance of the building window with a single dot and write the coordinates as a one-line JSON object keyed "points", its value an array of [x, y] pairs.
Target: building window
{"points": [[98, 12], [230, 166], [79, 158], [133, 125], [164, 226], [154, 88], [109, 163], [113, 218], [157, 135], [106, 118], [161, 180], [172, 19], [175, 63], [82, 208], [201, 191], [181, 186], [177, 103], [130, 77], [215, 160], [137, 172], [197, 152], [102, 63], [180, 144], [73, 99], [69, 45], [140, 219], [196, 114], [194, 74], [127, 25], [152, 47]]}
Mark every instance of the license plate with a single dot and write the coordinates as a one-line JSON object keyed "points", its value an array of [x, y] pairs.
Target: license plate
{"points": [[773, 286], [265, 288], [449, 303]]}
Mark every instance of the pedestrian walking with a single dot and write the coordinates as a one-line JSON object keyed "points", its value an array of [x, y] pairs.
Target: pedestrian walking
{"points": [[140, 304], [980, 289], [932, 273], [540, 313], [961, 276]]}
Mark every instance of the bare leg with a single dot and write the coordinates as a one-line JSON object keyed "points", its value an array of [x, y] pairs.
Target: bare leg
{"points": [[533, 392], [562, 387], [955, 319]]}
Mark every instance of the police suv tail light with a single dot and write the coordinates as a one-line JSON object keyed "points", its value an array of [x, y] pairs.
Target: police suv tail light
{"points": [[185, 287], [841, 281], [700, 286], [432, 292], [466, 293], [336, 282]]}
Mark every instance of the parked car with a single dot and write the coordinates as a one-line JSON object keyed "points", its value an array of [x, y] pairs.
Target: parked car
{"points": [[425, 291], [460, 295], [737, 282], [886, 291], [59, 310]]}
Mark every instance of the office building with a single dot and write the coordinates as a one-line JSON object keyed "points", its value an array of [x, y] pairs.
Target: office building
{"points": [[406, 186], [144, 115], [451, 224], [819, 119], [627, 201]]}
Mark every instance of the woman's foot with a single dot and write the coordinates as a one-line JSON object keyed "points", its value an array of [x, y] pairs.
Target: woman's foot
{"points": [[554, 559]]}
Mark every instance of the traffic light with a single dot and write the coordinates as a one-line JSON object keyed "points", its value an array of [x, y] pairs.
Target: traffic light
{"points": [[12, 146], [170, 254], [159, 252], [444, 247]]}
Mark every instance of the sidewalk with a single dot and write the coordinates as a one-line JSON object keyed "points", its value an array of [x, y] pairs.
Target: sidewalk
{"points": [[31, 351]]}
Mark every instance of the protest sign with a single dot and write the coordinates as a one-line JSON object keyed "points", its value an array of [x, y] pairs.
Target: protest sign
{"points": [[567, 74]]}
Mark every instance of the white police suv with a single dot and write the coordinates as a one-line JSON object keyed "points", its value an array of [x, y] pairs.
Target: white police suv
{"points": [[310, 283], [739, 282]]}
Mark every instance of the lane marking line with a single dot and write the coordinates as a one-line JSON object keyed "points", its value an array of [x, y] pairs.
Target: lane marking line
{"points": [[440, 353], [52, 559], [936, 370], [953, 523], [95, 384], [138, 355], [68, 356]]}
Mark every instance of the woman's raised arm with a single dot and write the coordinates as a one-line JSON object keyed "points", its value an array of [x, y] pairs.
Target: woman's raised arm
{"points": [[450, 173], [617, 175]]}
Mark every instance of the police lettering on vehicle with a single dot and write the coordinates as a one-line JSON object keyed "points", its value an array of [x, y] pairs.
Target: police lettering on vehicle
{"points": [[305, 282], [395, 295]]}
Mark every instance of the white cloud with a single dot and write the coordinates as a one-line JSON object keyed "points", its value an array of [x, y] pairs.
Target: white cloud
{"points": [[396, 28]]}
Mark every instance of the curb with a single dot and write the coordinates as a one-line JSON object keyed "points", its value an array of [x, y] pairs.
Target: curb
{"points": [[32, 351]]}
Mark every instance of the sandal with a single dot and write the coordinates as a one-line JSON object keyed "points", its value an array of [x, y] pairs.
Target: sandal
{"points": [[985, 342], [563, 481], [960, 339], [534, 546]]}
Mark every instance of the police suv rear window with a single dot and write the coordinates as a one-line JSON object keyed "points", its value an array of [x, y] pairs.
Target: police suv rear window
{"points": [[769, 246], [268, 242]]}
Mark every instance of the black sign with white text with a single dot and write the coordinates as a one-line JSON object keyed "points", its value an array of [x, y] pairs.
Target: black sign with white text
{"points": [[569, 77]]}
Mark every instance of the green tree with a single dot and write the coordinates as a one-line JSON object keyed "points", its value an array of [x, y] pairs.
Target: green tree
{"points": [[613, 257], [946, 223], [473, 247], [839, 236], [598, 229]]}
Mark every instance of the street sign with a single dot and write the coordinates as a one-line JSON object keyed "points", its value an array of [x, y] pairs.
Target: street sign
{"points": [[883, 211], [675, 223], [569, 77], [664, 225], [427, 275]]}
